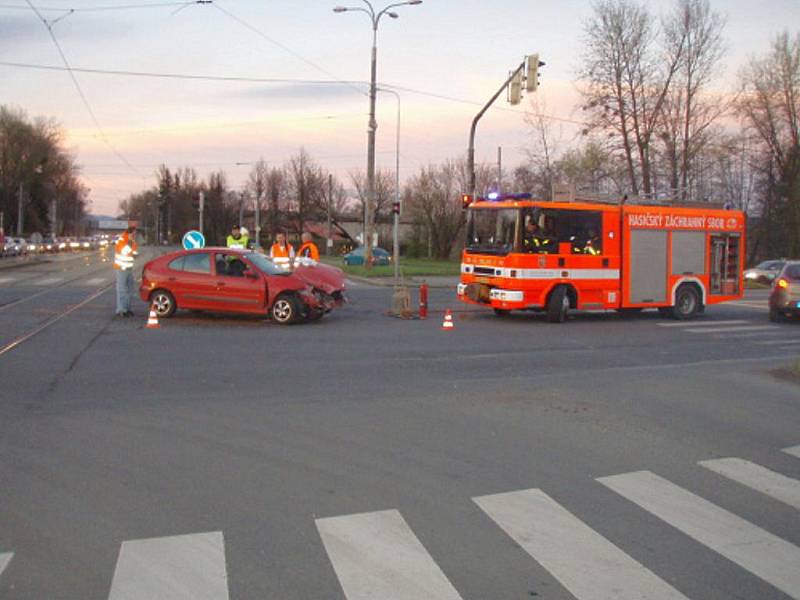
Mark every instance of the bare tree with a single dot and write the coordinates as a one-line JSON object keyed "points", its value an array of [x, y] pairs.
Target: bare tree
{"points": [[625, 82], [306, 187], [432, 197], [384, 191], [770, 107], [543, 152], [694, 33], [257, 183]]}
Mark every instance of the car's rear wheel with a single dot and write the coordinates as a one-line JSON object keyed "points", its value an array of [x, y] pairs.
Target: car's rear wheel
{"points": [[285, 309], [163, 302]]}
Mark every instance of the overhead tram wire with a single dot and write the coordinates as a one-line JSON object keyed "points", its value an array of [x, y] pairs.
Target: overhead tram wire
{"points": [[235, 79], [49, 27], [286, 48], [88, 9]]}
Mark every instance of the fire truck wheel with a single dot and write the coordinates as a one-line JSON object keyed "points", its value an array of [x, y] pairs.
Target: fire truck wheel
{"points": [[502, 312], [558, 305], [687, 303]]}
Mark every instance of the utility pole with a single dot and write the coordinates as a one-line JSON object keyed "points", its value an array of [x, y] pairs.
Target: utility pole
{"points": [[20, 211], [499, 169], [202, 201], [258, 218], [329, 240]]}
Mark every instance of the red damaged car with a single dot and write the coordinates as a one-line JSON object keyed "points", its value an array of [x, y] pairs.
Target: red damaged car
{"points": [[240, 281]]}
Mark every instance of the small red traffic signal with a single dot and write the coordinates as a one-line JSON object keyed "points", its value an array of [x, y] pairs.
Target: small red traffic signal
{"points": [[396, 208], [466, 200]]}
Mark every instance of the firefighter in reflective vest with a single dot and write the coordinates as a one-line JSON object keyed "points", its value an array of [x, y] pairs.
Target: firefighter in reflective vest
{"points": [[124, 252], [236, 239], [309, 248], [535, 240], [592, 245], [282, 252]]}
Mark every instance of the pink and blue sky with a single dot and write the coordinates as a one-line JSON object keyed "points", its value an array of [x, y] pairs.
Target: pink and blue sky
{"points": [[459, 49]]}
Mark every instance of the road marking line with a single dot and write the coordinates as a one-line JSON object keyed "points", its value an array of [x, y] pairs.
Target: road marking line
{"points": [[48, 281], [759, 478], [702, 323], [7, 279], [95, 281], [794, 451], [4, 560], [376, 555], [585, 563], [190, 567], [765, 555], [779, 342], [732, 329], [760, 305]]}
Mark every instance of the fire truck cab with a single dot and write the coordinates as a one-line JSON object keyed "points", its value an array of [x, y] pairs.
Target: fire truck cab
{"points": [[526, 254]]}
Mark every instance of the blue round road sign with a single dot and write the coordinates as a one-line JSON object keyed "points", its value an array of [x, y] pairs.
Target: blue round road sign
{"points": [[193, 240]]}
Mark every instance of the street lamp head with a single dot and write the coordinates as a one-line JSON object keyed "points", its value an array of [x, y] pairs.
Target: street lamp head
{"points": [[413, 2], [394, 15], [340, 9]]}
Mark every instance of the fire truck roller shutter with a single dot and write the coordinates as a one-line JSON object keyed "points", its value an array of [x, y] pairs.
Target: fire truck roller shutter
{"points": [[688, 252], [648, 266]]}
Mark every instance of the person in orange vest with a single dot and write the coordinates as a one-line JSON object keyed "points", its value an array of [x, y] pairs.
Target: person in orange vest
{"points": [[309, 248], [282, 252], [124, 252]]}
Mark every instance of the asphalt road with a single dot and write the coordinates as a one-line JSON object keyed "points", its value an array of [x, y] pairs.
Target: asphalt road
{"points": [[364, 456]]}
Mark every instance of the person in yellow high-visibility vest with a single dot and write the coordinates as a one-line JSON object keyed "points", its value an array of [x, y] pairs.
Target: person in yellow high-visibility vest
{"points": [[236, 239]]}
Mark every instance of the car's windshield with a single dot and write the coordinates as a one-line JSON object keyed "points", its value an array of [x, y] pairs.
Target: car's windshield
{"points": [[792, 272], [491, 231], [264, 264], [770, 265]]}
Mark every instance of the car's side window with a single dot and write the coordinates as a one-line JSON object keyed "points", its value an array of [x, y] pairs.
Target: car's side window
{"points": [[230, 265], [177, 264], [197, 263]]}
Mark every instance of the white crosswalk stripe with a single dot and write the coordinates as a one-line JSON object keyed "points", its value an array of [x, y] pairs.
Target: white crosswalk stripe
{"points": [[7, 279], [757, 477], [48, 281], [756, 304], [765, 555], [704, 323], [740, 329], [377, 556], [5, 558], [794, 451], [586, 563], [183, 567]]}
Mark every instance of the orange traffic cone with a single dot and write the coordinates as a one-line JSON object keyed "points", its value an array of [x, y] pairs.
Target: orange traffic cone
{"points": [[448, 324], [152, 320]]}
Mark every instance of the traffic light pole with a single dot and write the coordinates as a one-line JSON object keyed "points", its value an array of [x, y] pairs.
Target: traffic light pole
{"points": [[471, 151]]}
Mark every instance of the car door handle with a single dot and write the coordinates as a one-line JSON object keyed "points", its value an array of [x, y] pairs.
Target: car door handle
{"points": [[171, 279], [221, 283]]}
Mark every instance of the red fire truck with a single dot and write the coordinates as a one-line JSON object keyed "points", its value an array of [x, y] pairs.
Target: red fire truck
{"points": [[526, 254]]}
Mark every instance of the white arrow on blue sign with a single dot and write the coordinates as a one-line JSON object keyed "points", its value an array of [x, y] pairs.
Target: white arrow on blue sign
{"points": [[193, 239]]}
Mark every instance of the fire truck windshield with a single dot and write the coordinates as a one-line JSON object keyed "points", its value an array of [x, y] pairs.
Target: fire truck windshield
{"points": [[491, 231]]}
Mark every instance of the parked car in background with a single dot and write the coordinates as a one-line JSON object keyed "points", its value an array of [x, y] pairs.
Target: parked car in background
{"points": [[19, 246], [764, 272], [784, 298], [356, 257]]}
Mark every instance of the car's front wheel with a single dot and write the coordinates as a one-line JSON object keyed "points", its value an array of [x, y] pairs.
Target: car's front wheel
{"points": [[285, 309], [163, 302]]}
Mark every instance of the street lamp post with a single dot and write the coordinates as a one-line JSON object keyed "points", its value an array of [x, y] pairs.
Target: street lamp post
{"points": [[375, 17], [396, 208]]}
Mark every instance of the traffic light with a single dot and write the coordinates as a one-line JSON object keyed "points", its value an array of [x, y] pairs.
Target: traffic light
{"points": [[532, 77], [396, 208], [195, 202], [515, 89], [466, 200]]}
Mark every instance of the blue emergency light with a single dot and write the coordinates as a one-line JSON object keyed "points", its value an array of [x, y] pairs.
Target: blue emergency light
{"points": [[496, 197]]}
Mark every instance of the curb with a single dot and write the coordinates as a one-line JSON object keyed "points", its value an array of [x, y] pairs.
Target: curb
{"points": [[412, 283]]}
